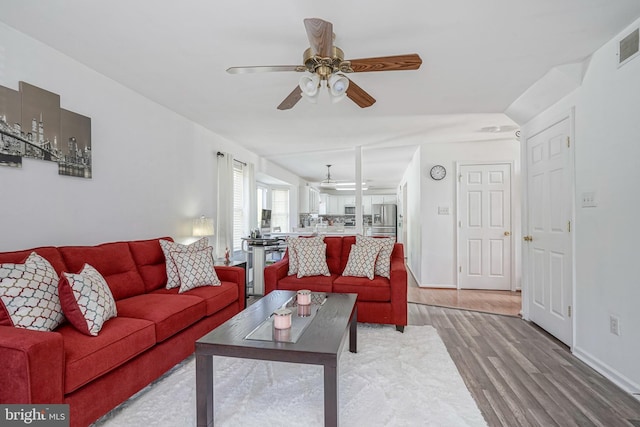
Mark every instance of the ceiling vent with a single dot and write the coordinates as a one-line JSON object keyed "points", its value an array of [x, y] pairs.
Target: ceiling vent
{"points": [[628, 47]]}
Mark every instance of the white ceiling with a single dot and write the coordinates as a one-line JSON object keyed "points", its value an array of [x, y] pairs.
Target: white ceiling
{"points": [[478, 57]]}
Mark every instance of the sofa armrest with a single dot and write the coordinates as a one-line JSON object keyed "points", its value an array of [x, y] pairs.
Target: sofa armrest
{"points": [[274, 272], [233, 274], [398, 283], [31, 366]]}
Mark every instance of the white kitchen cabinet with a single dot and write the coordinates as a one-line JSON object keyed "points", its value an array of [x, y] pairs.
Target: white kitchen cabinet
{"points": [[332, 205], [309, 199], [366, 205], [323, 209], [390, 198]]}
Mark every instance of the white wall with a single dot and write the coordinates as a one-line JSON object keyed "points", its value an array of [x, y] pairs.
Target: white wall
{"points": [[153, 170], [607, 149], [438, 232], [412, 218]]}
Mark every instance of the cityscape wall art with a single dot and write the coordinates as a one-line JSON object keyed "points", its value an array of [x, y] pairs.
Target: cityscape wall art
{"points": [[33, 125]]}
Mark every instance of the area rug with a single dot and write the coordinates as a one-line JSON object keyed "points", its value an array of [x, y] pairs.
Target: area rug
{"points": [[395, 379]]}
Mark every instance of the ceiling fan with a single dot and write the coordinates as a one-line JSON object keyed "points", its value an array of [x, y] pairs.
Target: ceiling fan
{"points": [[324, 65]]}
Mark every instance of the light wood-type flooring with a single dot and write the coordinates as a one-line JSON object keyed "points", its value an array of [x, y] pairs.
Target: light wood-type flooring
{"points": [[520, 376], [498, 302]]}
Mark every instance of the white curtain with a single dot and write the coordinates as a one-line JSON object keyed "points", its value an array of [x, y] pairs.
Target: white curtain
{"points": [[251, 201], [224, 220]]}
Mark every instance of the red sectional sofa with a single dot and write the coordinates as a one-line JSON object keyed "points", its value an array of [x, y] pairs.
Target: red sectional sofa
{"points": [[380, 300], [155, 328]]}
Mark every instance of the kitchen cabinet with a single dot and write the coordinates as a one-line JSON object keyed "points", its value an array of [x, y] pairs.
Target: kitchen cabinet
{"points": [[309, 200], [323, 209], [366, 205], [332, 204]]}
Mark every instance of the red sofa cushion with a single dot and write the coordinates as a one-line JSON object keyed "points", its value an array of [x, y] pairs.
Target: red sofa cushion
{"points": [[313, 283], [170, 313], [149, 258], [49, 253], [87, 358], [113, 260], [334, 254], [377, 289], [215, 297]]}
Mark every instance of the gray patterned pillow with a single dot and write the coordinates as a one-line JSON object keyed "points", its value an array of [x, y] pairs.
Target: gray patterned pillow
{"points": [[362, 261], [293, 243], [195, 269], [312, 260], [29, 295], [383, 263], [87, 300], [173, 279]]}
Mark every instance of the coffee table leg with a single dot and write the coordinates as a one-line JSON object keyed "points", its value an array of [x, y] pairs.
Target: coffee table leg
{"points": [[353, 332], [204, 390], [331, 394]]}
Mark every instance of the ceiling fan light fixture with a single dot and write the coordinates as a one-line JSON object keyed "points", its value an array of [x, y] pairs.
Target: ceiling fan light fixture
{"points": [[338, 85], [310, 85]]}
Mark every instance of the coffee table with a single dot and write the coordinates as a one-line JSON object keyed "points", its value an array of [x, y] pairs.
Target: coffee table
{"points": [[320, 344]]}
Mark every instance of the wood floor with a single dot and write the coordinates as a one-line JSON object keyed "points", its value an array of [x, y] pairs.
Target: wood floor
{"points": [[520, 376], [498, 302]]}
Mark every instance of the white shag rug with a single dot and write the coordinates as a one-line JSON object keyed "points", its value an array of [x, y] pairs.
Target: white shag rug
{"points": [[395, 379]]}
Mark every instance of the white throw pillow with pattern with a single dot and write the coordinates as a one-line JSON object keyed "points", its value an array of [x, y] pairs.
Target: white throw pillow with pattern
{"points": [[195, 269], [362, 261], [173, 279], [383, 262], [29, 294], [312, 260], [293, 243]]}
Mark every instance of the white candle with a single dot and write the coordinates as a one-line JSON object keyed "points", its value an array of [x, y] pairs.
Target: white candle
{"points": [[282, 318], [304, 297]]}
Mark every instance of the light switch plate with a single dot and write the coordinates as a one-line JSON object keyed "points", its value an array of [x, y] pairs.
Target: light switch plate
{"points": [[589, 199], [443, 210]]}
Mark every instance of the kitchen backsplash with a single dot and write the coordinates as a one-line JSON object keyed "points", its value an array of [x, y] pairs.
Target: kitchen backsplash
{"points": [[311, 220]]}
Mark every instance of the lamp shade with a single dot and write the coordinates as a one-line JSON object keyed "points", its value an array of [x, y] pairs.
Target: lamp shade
{"points": [[203, 226], [338, 85]]}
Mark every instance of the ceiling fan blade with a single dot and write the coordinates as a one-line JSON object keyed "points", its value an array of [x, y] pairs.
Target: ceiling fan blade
{"points": [[320, 34], [265, 69], [359, 95], [387, 63], [291, 100]]}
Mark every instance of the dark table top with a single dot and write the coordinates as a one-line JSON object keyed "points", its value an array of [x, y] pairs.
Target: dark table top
{"points": [[323, 338]]}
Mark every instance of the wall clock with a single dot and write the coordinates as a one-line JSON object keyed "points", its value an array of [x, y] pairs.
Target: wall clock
{"points": [[438, 172]]}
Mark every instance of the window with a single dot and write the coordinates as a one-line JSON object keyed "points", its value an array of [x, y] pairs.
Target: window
{"points": [[239, 217], [280, 209]]}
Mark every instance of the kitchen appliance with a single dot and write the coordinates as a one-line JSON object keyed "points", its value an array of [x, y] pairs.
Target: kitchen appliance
{"points": [[383, 220], [350, 210]]}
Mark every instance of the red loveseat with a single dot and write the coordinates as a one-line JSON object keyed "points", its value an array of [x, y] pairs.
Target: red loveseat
{"points": [[380, 300], [155, 328]]}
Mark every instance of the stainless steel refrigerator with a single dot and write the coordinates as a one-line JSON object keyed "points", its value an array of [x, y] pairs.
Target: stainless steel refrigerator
{"points": [[383, 220]]}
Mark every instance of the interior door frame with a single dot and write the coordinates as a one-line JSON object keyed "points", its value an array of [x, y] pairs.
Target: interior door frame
{"points": [[528, 134], [512, 217]]}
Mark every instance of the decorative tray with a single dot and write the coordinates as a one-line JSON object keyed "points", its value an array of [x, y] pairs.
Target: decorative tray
{"points": [[301, 318]]}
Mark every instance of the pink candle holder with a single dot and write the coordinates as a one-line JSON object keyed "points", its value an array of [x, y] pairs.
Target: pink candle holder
{"points": [[304, 310], [304, 297], [282, 318], [282, 334]]}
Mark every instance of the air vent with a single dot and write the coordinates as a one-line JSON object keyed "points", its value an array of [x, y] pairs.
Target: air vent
{"points": [[629, 47]]}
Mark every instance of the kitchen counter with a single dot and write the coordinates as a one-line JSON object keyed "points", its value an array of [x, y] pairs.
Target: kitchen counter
{"points": [[323, 230]]}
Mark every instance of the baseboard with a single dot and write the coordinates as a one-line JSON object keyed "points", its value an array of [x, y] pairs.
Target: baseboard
{"points": [[435, 286], [606, 370]]}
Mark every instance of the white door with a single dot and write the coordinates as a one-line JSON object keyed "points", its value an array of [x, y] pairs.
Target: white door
{"points": [[548, 240], [484, 220]]}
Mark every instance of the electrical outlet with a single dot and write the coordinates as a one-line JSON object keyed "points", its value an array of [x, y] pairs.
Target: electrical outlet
{"points": [[589, 200], [443, 210], [614, 325]]}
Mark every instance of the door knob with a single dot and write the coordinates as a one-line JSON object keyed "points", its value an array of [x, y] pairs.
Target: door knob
{"points": [[528, 238], [507, 233]]}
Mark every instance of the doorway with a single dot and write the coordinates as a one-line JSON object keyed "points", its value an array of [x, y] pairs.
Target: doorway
{"points": [[548, 243], [485, 250]]}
